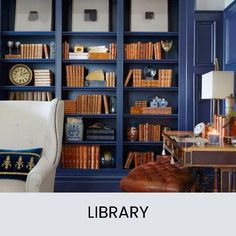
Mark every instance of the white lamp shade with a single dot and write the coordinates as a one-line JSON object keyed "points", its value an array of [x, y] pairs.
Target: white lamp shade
{"points": [[217, 84]]}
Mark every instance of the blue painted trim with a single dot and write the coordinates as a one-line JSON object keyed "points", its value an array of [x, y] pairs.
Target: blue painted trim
{"points": [[189, 73], [93, 34], [184, 10], [197, 50], [120, 74], [157, 89], [88, 61], [28, 60], [27, 88], [151, 61], [227, 16], [173, 116], [214, 20], [65, 88], [1, 40], [28, 33], [143, 143], [100, 116], [91, 142], [207, 11], [164, 34], [91, 173], [58, 48]]}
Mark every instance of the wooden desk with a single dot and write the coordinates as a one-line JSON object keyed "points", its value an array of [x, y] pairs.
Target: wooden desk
{"points": [[221, 157]]}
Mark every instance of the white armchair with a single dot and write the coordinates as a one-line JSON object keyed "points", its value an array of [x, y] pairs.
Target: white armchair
{"points": [[27, 125]]}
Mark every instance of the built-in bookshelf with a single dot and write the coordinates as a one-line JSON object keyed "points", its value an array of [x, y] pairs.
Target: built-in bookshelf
{"points": [[144, 51], [107, 102], [34, 49]]}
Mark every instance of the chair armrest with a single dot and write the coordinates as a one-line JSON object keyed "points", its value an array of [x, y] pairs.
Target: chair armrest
{"points": [[38, 175]]}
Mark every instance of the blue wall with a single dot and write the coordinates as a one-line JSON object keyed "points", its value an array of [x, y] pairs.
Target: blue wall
{"points": [[229, 25]]}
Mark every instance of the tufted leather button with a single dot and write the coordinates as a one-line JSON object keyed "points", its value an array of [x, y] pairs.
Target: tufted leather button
{"points": [[158, 177]]}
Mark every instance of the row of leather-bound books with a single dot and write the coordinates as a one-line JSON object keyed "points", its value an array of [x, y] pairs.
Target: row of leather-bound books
{"points": [[88, 104], [75, 75], [149, 132], [34, 51], [135, 159], [141, 50], [165, 77], [31, 95], [80, 156]]}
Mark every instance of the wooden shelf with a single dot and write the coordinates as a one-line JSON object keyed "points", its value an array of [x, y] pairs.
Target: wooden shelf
{"points": [[101, 116], [28, 60], [141, 61], [91, 142], [105, 172], [65, 88], [28, 33], [150, 34], [158, 89], [27, 88], [88, 61], [128, 143], [173, 116], [89, 34]]}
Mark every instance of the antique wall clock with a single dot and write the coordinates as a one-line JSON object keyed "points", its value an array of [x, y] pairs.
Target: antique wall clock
{"points": [[20, 74]]}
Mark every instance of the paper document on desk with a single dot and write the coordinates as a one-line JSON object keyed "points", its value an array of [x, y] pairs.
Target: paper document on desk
{"points": [[196, 140]]}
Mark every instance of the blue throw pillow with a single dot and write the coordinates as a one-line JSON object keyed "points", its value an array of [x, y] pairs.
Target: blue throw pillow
{"points": [[16, 164]]}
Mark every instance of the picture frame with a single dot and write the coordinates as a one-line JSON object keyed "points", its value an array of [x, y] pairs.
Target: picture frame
{"points": [[90, 15], [33, 15], [149, 15]]}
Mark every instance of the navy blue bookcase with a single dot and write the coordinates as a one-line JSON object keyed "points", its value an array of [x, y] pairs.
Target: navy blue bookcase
{"points": [[75, 180]]}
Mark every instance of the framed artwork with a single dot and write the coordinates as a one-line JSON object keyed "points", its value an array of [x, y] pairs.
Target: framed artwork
{"points": [[90, 15], [33, 15], [149, 15]]}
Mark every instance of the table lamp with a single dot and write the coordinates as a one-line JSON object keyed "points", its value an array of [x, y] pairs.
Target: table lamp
{"points": [[217, 85]]}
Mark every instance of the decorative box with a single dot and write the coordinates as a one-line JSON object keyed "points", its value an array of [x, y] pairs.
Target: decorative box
{"points": [[98, 55], [157, 110], [90, 15], [151, 110], [135, 110], [149, 15]]}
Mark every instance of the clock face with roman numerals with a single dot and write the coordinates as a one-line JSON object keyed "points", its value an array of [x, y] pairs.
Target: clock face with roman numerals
{"points": [[20, 74]]}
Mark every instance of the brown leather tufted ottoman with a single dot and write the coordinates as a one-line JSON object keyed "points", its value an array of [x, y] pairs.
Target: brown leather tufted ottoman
{"points": [[158, 177]]}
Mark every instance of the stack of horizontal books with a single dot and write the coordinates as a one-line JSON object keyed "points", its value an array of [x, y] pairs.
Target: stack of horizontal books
{"points": [[43, 77], [100, 133]]}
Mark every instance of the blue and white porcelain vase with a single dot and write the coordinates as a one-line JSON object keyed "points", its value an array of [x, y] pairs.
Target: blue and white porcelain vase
{"points": [[74, 131]]}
